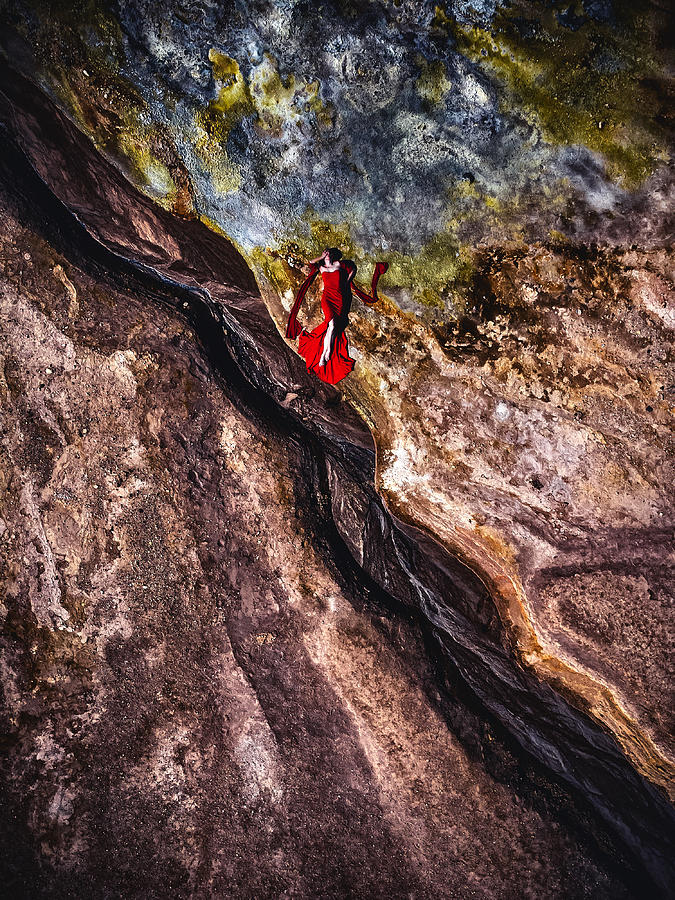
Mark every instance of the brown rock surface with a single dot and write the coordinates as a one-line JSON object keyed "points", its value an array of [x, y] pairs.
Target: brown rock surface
{"points": [[194, 706], [221, 690], [534, 437]]}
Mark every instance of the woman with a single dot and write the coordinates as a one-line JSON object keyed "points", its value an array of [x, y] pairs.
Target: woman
{"points": [[325, 348]]}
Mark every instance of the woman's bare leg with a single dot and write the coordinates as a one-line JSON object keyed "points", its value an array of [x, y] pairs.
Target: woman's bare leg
{"points": [[328, 343]]}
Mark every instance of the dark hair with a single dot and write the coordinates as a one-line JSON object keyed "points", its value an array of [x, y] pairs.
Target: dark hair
{"points": [[334, 254], [342, 320]]}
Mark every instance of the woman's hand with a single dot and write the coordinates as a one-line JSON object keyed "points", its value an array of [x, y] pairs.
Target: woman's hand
{"points": [[319, 259]]}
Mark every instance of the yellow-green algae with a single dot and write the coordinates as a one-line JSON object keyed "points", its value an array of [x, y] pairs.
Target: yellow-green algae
{"points": [[433, 82], [472, 208], [85, 76], [214, 123], [270, 267], [280, 100], [551, 74], [124, 139], [441, 265], [147, 170], [233, 101], [273, 100]]}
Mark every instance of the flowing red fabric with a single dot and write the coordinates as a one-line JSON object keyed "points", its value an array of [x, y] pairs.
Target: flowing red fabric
{"points": [[293, 328], [335, 304], [380, 269]]}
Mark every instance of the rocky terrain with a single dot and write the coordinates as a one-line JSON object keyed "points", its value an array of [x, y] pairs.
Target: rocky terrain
{"points": [[268, 638]]}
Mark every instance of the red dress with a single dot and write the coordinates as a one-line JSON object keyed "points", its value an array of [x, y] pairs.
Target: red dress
{"points": [[310, 344]]}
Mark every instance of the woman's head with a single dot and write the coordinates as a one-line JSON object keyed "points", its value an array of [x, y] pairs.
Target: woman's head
{"points": [[333, 254]]}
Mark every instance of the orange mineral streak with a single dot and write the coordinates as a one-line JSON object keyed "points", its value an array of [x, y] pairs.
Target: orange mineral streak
{"points": [[493, 561]]}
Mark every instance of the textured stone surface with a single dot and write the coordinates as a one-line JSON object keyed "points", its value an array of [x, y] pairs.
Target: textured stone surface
{"points": [[525, 415], [545, 454], [517, 378], [193, 706]]}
